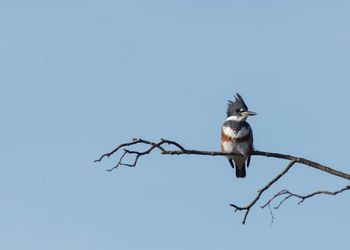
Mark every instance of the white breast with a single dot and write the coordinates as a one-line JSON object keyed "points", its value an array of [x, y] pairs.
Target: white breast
{"points": [[236, 147], [234, 134]]}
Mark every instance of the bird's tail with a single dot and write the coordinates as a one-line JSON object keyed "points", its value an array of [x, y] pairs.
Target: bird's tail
{"points": [[240, 166], [240, 172]]}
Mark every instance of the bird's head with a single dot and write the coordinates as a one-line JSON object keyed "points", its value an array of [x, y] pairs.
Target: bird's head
{"points": [[238, 110]]}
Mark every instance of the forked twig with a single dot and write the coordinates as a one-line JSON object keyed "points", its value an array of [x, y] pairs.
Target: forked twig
{"points": [[302, 198]]}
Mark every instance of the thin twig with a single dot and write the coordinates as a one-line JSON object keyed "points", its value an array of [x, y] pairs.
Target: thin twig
{"points": [[272, 217]]}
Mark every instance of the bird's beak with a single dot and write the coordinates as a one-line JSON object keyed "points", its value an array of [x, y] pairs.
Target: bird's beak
{"points": [[248, 113]]}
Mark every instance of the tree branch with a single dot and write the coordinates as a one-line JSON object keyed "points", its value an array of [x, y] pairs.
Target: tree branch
{"points": [[181, 150]]}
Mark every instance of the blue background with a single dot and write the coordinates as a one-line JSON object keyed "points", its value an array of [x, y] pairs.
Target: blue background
{"points": [[80, 77]]}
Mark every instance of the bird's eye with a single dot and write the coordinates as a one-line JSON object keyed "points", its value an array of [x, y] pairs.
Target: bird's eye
{"points": [[237, 110]]}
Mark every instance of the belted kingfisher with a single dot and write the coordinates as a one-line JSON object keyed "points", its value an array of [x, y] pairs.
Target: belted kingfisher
{"points": [[237, 135]]}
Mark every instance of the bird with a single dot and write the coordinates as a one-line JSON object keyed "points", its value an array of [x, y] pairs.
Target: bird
{"points": [[237, 135]]}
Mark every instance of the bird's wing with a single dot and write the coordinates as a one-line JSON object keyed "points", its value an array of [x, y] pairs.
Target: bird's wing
{"points": [[251, 147]]}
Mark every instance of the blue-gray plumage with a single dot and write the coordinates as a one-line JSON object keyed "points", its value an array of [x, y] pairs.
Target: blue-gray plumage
{"points": [[237, 125], [237, 135]]}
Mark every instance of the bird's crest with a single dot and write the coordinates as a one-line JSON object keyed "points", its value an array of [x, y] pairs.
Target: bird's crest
{"points": [[236, 105]]}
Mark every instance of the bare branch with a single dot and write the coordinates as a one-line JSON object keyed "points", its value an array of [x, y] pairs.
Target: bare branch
{"points": [[182, 150], [120, 162], [250, 205], [302, 198], [304, 162]]}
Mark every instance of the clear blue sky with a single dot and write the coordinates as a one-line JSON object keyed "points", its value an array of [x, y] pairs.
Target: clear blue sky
{"points": [[80, 77]]}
